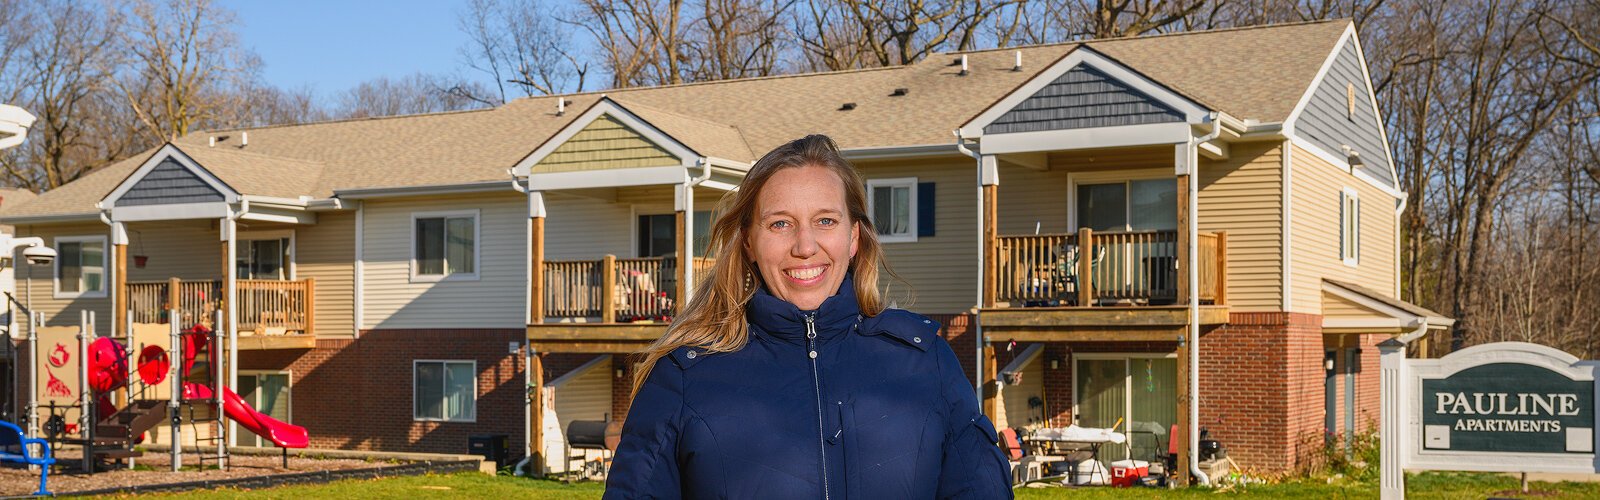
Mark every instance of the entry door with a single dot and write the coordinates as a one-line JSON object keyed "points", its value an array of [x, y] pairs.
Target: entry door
{"points": [[1139, 391], [268, 393]]}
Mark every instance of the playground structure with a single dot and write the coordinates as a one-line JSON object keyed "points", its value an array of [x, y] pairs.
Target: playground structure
{"points": [[127, 387]]}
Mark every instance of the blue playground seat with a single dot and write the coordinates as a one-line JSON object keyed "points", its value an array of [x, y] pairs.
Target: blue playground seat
{"points": [[16, 448]]}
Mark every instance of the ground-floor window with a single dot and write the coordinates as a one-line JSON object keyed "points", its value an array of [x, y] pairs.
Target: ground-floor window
{"points": [[445, 390], [268, 393], [1136, 393]]}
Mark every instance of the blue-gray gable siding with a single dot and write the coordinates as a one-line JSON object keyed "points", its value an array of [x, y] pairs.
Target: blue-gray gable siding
{"points": [[169, 183], [1327, 122], [1083, 97]]}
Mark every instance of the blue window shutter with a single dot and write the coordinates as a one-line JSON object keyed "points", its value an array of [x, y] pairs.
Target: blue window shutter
{"points": [[925, 209]]}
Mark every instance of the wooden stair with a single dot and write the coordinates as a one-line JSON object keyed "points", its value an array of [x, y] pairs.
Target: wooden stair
{"points": [[115, 434]]}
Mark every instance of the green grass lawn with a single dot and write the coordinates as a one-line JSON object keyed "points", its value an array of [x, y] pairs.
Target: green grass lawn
{"points": [[1428, 485]]}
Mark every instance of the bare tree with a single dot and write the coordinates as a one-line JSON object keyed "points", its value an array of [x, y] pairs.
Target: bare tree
{"points": [[184, 66], [737, 39], [521, 45], [413, 94], [843, 34]]}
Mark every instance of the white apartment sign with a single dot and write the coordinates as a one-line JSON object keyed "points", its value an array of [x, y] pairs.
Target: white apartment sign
{"points": [[1503, 407]]}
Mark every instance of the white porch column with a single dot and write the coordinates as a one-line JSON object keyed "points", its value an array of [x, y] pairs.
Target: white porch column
{"points": [[683, 203], [1392, 435], [230, 310]]}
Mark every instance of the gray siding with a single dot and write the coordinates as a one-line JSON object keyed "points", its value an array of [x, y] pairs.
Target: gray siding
{"points": [[1327, 122], [1083, 98], [169, 183]]}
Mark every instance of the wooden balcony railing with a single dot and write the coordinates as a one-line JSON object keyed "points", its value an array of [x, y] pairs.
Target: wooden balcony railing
{"points": [[641, 289], [262, 303], [1121, 268]]}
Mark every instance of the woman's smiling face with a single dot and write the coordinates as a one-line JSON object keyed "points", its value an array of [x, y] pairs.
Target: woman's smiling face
{"points": [[802, 240]]}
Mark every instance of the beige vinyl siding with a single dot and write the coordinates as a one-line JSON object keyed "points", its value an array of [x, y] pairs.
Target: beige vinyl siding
{"points": [[497, 299], [584, 395], [36, 284], [941, 270], [1336, 306], [1314, 226], [579, 228], [326, 251], [602, 145], [187, 250], [1028, 198], [1243, 196]]}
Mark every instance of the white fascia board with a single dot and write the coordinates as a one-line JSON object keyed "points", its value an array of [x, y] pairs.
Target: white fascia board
{"points": [[1372, 98], [213, 210], [898, 152], [274, 214], [229, 194], [606, 107], [1344, 164], [1322, 73], [1367, 302], [1087, 138], [435, 189], [617, 177], [1363, 323], [50, 219], [1192, 111]]}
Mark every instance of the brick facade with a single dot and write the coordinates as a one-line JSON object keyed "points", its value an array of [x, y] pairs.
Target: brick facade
{"points": [[357, 394]]}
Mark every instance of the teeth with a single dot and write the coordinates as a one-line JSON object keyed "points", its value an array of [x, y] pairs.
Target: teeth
{"points": [[805, 274]]}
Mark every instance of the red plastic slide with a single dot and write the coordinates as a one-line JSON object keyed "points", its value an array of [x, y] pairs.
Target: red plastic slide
{"points": [[282, 434]]}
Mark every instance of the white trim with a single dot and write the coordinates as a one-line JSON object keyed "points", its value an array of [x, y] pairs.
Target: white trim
{"points": [[1106, 177], [229, 195], [360, 309], [1019, 363], [424, 190], [1316, 81], [1284, 253], [138, 213], [910, 183], [607, 107], [1344, 164], [616, 177], [1193, 112], [445, 364], [1350, 218], [1372, 323], [259, 235], [105, 267], [1087, 138], [1411, 319], [477, 246], [1372, 96]]}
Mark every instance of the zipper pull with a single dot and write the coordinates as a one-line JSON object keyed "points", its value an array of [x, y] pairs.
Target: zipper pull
{"points": [[811, 334]]}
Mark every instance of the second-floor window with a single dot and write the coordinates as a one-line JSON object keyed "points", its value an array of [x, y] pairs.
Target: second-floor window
{"points": [[892, 203], [445, 245], [1349, 226], [1133, 205], [81, 266]]}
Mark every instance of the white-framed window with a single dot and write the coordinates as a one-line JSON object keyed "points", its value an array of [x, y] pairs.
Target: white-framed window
{"points": [[444, 245], [893, 205], [80, 267], [444, 390], [1349, 226], [265, 255]]}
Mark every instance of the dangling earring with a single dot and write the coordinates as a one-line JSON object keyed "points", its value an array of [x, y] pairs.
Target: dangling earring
{"points": [[749, 280]]}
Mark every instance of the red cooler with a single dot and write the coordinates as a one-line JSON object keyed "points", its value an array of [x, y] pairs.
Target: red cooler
{"points": [[1125, 473]]}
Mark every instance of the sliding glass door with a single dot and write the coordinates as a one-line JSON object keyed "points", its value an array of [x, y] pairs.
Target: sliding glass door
{"points": [[1135, 393]]}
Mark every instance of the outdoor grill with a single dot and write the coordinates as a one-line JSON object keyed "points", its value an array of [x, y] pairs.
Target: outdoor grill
{"points": [[587, 435]]}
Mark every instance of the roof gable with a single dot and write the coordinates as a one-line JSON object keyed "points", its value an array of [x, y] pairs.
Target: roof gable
{"points": [[169, 177], [606, 136], [1083, 97], [1339, 114], [1084, 88]]}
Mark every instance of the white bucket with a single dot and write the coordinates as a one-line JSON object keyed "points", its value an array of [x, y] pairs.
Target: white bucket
{"points": [[1089, 472]]}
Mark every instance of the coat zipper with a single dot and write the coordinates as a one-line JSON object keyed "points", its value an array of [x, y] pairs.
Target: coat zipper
{"points": [[816, 383]]}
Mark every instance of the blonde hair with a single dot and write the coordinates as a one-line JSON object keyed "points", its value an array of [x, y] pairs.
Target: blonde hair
{"points": [[714, 319]]}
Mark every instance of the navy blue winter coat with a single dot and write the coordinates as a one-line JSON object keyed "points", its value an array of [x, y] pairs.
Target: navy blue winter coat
{"points": [[819, 404]]}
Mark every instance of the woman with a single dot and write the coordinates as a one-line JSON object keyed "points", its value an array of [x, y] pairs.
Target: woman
{"points": [[786, 377]]}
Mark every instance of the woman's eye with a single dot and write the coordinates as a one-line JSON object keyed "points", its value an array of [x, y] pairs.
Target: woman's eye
{"points": [[827, 221], [779, 224]]}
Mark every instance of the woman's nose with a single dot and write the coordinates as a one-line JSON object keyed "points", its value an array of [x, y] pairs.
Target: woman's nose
{"points": [[805, 244]]}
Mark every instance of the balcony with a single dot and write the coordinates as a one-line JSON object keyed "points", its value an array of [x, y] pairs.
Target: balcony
{"points": [[1105, 279], [641, 291], [272, 314]]}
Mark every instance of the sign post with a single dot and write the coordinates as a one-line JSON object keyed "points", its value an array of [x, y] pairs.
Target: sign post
{"points": [[1502, 407]]}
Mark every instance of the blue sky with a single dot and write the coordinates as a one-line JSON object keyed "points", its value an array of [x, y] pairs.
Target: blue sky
{"points": [[332, 45]]}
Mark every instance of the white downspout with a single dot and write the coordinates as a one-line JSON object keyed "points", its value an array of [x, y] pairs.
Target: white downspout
{"points": [[977, 365], [1194, 298], [688, 226]]}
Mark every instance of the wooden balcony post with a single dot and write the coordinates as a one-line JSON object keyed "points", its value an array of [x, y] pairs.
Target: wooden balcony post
{"points": [[536, 409], [1184, 221], [536, 271], [311, 306], [608, 289], [991, 242], [1085, 267], [1181, 434], [991, 404], [1222, 268], [682, 287]]}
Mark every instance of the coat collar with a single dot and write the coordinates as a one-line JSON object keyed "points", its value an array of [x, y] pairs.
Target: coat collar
{"points": [[780, 320]]}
